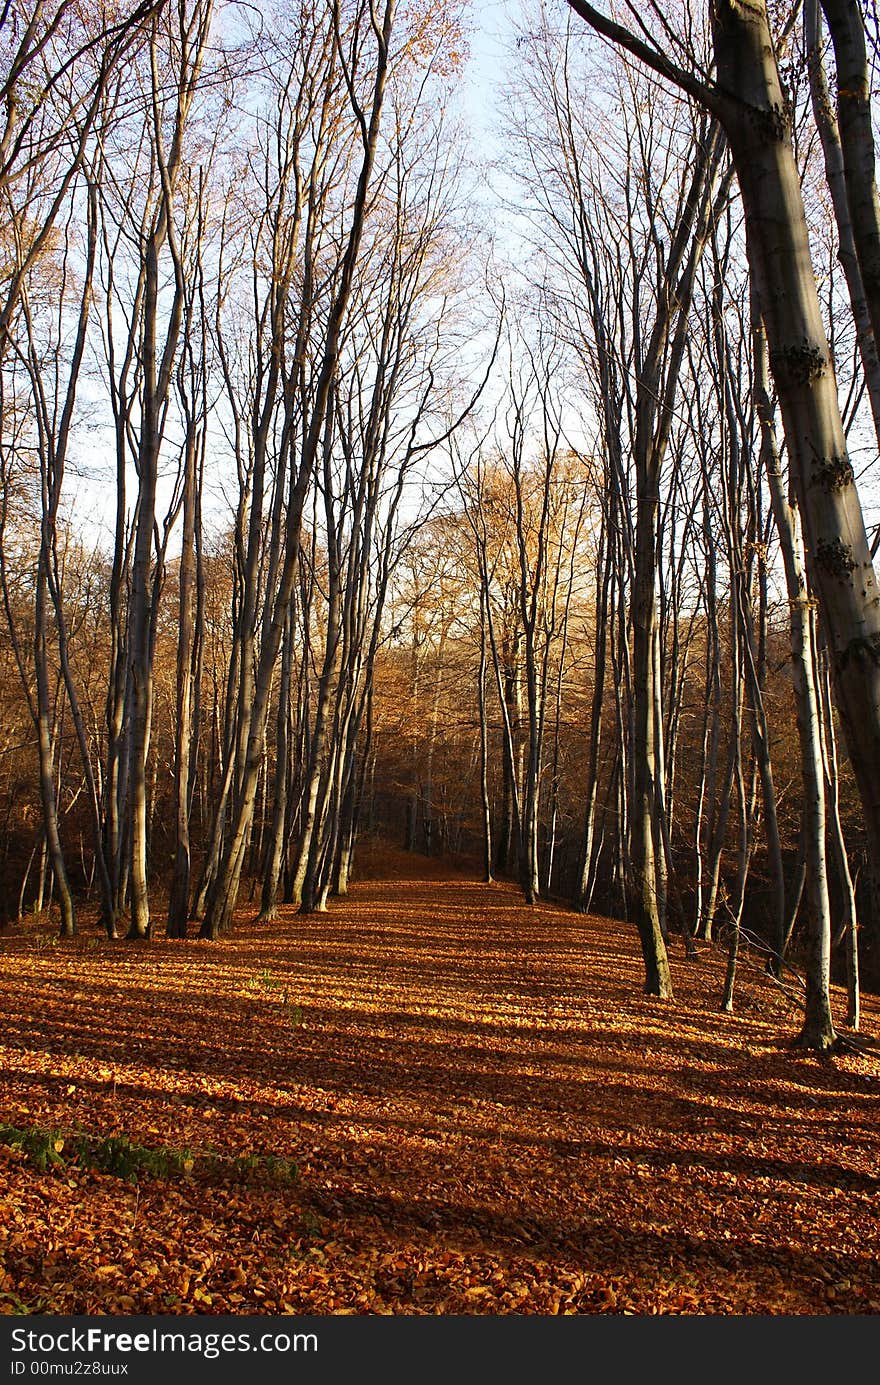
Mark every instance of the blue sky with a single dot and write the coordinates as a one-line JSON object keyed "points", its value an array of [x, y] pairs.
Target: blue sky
{"points": [[489, 40]]}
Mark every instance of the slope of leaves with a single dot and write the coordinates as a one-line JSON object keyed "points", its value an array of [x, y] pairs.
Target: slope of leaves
{"points": [[428, 1100]]}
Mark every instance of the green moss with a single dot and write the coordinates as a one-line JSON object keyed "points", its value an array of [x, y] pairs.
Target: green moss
{"points": [[123, 1158]]}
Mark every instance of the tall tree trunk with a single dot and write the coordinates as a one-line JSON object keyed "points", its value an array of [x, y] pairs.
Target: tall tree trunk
{"points": [[818, 1030], [224, 894], [46, 758], [758, 127], [848, 927], [748, 98], [140, 644], [275, 849], [509, 828], [835, 176], [484, 748], [157, 365], [847, 27], [178, 903], [581, 900], [658, 980]]}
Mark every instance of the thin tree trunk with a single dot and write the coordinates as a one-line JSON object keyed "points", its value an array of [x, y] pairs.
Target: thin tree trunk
{"points": [[603, 583], [484, 756], [224, 895], [848, 928], [847, 27], [46, 760], [835, 176], [275, 851], [818, 1031], [178, 903]]}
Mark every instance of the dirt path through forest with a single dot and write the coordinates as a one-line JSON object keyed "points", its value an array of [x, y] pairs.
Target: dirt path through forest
{"points": [[429, 1100]]}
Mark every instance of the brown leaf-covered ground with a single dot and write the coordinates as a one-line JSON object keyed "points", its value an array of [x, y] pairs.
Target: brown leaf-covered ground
{"points": [[485, 1114]]}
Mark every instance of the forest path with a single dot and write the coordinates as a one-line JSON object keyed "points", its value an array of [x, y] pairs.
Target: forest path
{"points": [[485, 1113]]}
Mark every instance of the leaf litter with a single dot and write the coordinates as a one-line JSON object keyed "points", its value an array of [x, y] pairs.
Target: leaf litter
{"points": [[428, 1100]]}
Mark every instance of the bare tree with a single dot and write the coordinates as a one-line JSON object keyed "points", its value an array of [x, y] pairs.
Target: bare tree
{"points": [[361, 47], [748, 100], [667, 178]]}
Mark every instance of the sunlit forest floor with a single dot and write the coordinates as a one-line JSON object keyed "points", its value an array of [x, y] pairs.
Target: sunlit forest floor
{"points": [[429, 1100]]}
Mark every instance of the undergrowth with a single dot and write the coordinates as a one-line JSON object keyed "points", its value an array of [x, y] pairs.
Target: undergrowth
{"points": [[46, 1149]]}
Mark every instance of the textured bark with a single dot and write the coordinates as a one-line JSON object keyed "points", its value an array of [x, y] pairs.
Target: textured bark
{"points": [[748, 98], [757, 122]]}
